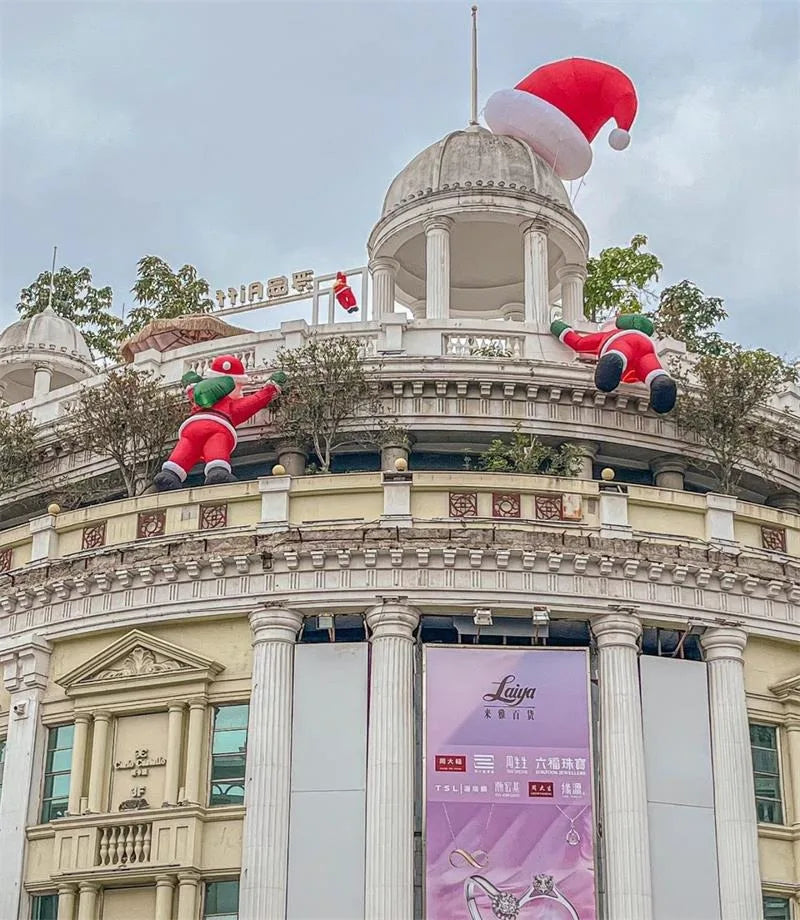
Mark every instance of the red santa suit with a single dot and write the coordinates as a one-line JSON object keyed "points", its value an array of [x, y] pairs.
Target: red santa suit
{"points": [[626, 354], [209, 434]]}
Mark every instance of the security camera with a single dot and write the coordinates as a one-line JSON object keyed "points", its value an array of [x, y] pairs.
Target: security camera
{"points": [[20, 710]]}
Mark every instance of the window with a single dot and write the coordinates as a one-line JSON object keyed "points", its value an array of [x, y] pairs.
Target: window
{"points": [[222, 900], [56, 772], [776, 908], [2, 762], [764, 748], [228, 750], [44, 907]]}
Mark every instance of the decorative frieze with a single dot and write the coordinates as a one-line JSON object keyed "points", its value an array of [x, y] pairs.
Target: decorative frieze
{"points": [[773, 538], [463, 504], [213, 516], [94, 536], [5, 559], [151, 524], [505, 504]]}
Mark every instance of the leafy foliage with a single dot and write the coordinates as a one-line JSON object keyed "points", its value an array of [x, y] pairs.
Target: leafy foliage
{"points": [[527, 454], [617, 280], [17, 448], [76, 299], [330, 399], [686, 314], [723, 405], [163, 293], [130, 418]]}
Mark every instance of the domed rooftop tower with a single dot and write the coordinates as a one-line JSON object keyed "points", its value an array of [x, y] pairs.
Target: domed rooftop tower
{"points": [[479, 226], [40, 354]]}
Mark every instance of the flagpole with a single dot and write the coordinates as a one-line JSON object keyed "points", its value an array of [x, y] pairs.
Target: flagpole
{"points": [[474, 109], [52, 280]]}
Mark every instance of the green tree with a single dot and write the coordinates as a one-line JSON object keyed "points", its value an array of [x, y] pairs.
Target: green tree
{"points": [[723, 404], [331, 398], [617, 281], [130, 418], [17, 448], [162, 293], [525, 453], [686, 314], [76, 299]]}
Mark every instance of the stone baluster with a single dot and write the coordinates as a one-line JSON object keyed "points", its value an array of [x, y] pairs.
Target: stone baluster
{"points": [[390, 764]]}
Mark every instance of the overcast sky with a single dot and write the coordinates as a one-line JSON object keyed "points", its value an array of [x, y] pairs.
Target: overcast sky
{"points": [[256, 139]]}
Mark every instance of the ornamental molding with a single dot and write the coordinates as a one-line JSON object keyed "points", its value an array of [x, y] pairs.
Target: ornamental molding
{"points": [[137, 656], [439, 569]]}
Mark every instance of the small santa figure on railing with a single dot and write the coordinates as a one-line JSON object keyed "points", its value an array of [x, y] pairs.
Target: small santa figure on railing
{"points": [[209, 434]]}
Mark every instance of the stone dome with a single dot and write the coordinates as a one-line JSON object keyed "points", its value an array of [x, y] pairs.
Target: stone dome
{"points": [[477, 160], [47, 331]]}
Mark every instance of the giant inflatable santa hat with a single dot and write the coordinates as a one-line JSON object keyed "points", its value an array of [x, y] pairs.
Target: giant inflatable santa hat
{"points": [[559, 108]]}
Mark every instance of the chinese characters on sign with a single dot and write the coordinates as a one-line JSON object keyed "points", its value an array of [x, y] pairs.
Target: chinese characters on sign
{"points": [[275, 289], [508, 736]]}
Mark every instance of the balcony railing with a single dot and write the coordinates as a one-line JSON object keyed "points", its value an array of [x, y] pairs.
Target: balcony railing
{"points": [[124, 845]]}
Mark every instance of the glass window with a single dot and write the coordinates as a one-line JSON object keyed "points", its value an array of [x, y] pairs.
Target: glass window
{"points": [[776, 908], [766, 772], [56, 772], [44, 907], [222, 901], [228, 752]]}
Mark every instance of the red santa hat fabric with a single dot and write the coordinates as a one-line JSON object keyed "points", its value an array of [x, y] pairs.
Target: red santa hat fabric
{"points": [[227, 366], [559, 108]]}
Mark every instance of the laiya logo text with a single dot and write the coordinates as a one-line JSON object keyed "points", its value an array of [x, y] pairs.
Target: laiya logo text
{"points": [[510, 692]]}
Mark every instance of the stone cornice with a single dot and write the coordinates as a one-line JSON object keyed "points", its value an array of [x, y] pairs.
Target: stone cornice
{"points": [[445, 569]]}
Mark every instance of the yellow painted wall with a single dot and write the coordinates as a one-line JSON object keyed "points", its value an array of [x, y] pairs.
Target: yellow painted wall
{"points": [[128, 903], [667, 520], [767, 662], [222, 845]]}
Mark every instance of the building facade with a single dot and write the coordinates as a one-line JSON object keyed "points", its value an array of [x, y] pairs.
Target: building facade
{"points": [[216, 701]]}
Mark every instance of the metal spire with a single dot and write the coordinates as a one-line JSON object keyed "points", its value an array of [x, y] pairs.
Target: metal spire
{"points": [[52, 280], [474, 110]]}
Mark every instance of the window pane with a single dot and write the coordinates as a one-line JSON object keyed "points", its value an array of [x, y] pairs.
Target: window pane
{"points": [[770, 812], [56, 786], [765, 761], [59, 761], [62, 736], [222, 898], [228, 767], [229, 742], [227, 794], [776, 908], [231, 717], [44, 907]]}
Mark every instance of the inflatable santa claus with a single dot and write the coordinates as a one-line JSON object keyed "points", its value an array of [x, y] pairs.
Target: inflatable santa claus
{"points": [[625, 354], [209, 434]]}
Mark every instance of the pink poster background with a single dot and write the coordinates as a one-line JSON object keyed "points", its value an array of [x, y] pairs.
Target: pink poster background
{"points": [[488, 752]]}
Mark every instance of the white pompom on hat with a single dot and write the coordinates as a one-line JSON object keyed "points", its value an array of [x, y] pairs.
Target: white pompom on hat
{"points": [[227, 366]]}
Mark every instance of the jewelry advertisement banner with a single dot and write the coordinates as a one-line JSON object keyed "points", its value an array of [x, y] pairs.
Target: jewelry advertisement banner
{"points": [[509, 823]]}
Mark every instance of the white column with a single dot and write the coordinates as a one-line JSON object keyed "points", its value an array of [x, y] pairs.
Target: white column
{"points": [[624, 794], [165, 887], [194, 750], [588, 452], [265, 862], [793, 743], [390, 764], [25, 677], [87, 901], [174, 745], [187, 896], [78, 765], [537, 288], [384, 272], [572, 278], [734, 790], [437, 267], [42, 377], [66, 902], [97, 769], [668, 472]]}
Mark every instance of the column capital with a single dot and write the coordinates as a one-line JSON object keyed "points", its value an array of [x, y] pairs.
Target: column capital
{"points": [[166, 879], [42, 366], [621, 630], [571, 272], [82, 717], [89, 886], [392, 619], [588, 448], [669, 465], [189, 878], [177, 707], [384, 263], [102, 715], [724, 642], [537, 225], [275, 624], [67, 888], [196, 702], [438, 223]]}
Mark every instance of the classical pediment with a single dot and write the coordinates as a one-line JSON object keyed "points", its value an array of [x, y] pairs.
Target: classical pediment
{"points": [[788, 689], [138, 658]]}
